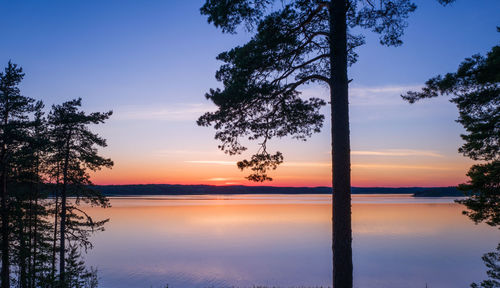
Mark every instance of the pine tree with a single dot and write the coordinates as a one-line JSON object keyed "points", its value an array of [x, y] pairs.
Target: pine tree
{"points": [[14, 112], [74, 154], [77, 274], [31, 237], [38, 157], [296, 43]]}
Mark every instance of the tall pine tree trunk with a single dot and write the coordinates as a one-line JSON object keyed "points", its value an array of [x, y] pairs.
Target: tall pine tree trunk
{"points": [[5, 275], [30, 237], [34, 224], [62, 244], [341, 164], [54, 243], [56, 215], [23, 257], [35, 229], [62, 248], [35, 242]]}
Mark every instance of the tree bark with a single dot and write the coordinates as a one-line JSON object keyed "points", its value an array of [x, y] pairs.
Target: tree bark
{"points": [[341, 166]]}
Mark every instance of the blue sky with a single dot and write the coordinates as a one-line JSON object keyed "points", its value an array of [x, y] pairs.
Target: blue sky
{"points": [[152, 61]]}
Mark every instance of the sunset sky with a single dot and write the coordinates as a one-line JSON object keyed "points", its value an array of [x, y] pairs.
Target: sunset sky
{"points": [[152, 61]]}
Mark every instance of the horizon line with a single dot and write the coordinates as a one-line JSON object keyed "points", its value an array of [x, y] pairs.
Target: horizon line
{"points": [[240, 185]]}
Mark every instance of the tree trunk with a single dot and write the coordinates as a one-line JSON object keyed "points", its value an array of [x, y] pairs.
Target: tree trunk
{"points": [[54, 243], [62, 248], [341, 166], [62, 245], [5, 274], [5, 232], [35, 230], [35, 239], [30, 237], [23, 276]]}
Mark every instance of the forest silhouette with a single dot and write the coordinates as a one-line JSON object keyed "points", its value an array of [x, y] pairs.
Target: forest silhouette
{"points": [[45, 160]]}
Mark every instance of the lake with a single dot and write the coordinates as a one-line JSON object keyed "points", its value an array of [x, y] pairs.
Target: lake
{"points": [[285, 240]]}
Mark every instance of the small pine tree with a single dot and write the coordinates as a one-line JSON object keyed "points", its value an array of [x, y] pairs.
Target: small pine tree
{"points": [[77, 276]]}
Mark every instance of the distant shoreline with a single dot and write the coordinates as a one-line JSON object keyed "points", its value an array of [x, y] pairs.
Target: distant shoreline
{"points": [[171, 190]]}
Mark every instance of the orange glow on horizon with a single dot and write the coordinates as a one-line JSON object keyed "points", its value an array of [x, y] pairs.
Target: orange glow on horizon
{"points": [[364, 174]]}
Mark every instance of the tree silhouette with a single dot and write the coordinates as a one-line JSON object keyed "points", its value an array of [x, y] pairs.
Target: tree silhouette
{"points": [[74, 153], [41, 156], [483, 191], [296, 43], [14, 111], [77, 275], [30, 228]]}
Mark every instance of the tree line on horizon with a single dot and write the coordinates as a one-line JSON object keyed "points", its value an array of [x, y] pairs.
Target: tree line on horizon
{"points": [[44, 164]]}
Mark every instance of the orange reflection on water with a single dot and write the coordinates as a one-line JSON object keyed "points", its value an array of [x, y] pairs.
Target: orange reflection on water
{"points": [[239, 214], [285, 240], [407, 219], [220, 220]]}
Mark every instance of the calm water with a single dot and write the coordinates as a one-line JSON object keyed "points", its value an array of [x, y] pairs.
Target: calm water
{"points": [[246, 240]]}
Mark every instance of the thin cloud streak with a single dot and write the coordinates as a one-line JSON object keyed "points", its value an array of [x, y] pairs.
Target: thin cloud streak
{"points": [[307, 164], [381, 95], [288, 164], [212, 162], [367, 95], [174, 112], [397, 152], [328, 164], [217, 179], [410, 167], [184, 152]]}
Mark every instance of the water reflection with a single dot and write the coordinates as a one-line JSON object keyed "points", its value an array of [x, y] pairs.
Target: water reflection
{"points": [[245, 240]]}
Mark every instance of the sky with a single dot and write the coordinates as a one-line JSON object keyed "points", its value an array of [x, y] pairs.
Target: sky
{"points": [[151, 62]]}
